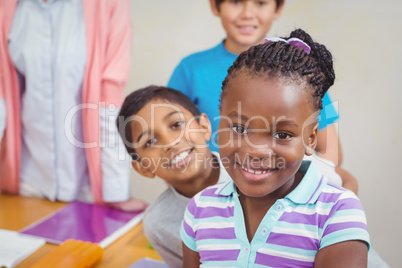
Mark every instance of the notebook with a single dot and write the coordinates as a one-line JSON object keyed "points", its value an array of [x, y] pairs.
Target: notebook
{"points": [[14, 247], [94, 223]]}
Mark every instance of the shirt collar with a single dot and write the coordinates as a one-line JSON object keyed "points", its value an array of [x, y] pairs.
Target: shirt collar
{"points": [[223, 175], [226, 52], [226, 189], [310, 186], [306, 192]]}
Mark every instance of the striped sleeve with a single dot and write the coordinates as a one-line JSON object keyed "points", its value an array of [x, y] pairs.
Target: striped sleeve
{"points": [[187, 231], [346, 221]]}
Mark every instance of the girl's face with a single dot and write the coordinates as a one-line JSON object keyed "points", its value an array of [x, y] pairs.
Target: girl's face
{"points": [[246, 22], [266, 128]]}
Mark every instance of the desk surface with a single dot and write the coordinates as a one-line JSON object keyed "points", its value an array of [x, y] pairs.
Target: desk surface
{"points": [[17, 212]]}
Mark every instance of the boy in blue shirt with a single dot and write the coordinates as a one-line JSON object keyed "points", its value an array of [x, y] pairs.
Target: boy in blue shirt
{"points": [[200, 75]]}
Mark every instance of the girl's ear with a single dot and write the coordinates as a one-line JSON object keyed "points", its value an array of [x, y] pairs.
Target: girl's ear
{"points": [[144, 171], [214, 7], [205, 126], [311, 142]]}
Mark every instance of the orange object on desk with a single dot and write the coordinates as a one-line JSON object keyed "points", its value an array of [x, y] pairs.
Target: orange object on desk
{"points": [[72, 253]]}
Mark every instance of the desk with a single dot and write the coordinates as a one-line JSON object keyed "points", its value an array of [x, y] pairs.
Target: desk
{"points": [[17, 212]]}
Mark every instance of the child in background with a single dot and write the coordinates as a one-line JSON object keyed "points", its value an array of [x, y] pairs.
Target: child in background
{"points": [[200, 75], [278, 210], [167, 137]]}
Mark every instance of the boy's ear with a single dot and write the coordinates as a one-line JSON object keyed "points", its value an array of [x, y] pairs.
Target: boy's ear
{"points": [[278, 10], [205, 125], [214, 7], [312, 141], [144, 171]]}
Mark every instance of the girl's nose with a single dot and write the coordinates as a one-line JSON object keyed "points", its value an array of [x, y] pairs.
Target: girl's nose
{"points": [[259, 146]]}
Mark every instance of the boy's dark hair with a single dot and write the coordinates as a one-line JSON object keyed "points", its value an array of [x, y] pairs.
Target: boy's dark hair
{"points": [[280, 59], [138, 99], [219, 2]]}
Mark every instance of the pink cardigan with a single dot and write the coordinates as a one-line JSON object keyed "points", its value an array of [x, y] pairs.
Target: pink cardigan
{"points": [[109, 41]]}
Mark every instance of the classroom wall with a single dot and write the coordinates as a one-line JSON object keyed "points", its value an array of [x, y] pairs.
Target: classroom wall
{"points": [[365, 38]]}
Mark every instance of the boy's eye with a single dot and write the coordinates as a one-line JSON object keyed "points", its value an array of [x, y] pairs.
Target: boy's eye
{"points": [[150, 142], [261, 3], [239, 129], [282, 136], [235, 1], [177, 124]]}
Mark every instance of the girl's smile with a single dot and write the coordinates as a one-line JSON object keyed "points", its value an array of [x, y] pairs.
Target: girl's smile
{"points": [[256, 174]]}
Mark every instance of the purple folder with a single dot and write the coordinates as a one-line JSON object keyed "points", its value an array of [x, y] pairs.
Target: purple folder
{"points": [[86, 222]]}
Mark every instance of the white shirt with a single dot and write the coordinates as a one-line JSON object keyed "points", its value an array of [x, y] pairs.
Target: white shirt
{"points": [[47, 44]]}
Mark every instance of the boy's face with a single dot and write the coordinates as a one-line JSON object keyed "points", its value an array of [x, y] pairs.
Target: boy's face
{"points": [[170, 142], [246, 22], [266, 128]]}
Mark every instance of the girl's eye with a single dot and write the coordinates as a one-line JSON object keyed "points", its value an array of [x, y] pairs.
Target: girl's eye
{"points": [[282, 136], [177, 124], [239, 129], [150, 142], [261, 3]]}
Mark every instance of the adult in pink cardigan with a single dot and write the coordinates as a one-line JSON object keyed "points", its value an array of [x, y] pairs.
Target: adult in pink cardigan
{"points": [[108, 36]]}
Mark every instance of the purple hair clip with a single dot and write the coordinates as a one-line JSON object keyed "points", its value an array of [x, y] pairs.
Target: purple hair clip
{"points": [[296, 42]]}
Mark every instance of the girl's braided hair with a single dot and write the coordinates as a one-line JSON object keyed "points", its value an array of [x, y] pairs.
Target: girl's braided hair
{"points": [[282, 60]]}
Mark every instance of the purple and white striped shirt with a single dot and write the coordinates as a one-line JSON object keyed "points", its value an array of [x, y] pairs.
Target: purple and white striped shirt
{"points": [[313, 216]]}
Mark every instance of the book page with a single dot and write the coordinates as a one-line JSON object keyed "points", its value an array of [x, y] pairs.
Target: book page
{"points": [[15, 247]]}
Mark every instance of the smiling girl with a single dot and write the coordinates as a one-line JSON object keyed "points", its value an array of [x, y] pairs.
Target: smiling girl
{"points": [[278, 210]]}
